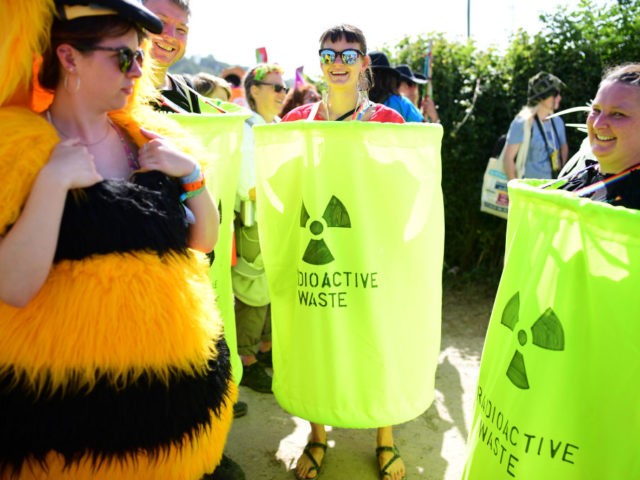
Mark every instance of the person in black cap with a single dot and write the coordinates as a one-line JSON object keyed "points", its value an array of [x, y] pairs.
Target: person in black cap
{"points": [[547, 148], [113, 363], [410, 84]]}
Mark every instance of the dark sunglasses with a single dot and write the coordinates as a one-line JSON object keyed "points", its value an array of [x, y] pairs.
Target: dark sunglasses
{"points": [[349, 56], [277, 87], [126, 56]]}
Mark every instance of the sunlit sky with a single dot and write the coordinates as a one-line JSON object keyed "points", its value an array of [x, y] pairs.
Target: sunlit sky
{"points": [[231, 31]]}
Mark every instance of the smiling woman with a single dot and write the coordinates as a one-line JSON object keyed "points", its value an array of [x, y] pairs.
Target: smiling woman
{"points": [[113, 362], [613, 125]]}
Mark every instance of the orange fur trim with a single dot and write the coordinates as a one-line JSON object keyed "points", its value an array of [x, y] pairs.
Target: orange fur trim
{"points": [[25, 36], [197, 456], [27, 141]]}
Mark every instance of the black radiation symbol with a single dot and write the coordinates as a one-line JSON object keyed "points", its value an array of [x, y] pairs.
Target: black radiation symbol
{"points": [[546, 333], [335, 215]]}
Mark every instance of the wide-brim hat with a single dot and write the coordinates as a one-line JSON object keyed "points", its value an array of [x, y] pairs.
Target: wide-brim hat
{"points": [[406, 74], [380, 61], [131, 10], [543, 85]]}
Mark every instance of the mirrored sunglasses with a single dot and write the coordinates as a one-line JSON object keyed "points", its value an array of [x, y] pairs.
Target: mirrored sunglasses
{"points": [[126, 56], [349, 56], [276, 86]]}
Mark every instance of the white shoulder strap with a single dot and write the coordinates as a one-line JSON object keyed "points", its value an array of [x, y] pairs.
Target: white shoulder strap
{"points": [[523, 151], [313, 111]]}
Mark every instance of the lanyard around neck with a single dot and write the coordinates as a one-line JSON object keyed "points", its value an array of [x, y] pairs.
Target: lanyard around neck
{"points": [[589, 189]]}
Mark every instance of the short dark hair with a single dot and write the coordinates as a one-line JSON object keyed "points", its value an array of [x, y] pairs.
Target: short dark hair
{"points": [[83, 31], [345, 31]]}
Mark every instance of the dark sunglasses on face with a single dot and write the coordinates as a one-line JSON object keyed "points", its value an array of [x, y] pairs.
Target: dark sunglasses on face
{"points": [[276, 87], [349, 56], [126, 56]]}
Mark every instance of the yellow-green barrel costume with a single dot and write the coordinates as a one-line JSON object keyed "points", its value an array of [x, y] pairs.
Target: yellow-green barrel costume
{"points": [[351, 229], [557, 391]]}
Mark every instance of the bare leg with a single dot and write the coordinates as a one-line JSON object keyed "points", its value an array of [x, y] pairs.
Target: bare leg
{"points": [[304, 466], [397, 470]]}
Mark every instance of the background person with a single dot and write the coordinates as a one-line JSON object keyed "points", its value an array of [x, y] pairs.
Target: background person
{"points": [[306, 93], [548, 149], [344, 64], [265, 91], [384, 88], [102, 216], [167, 48], [410, 85], [211, 86]]}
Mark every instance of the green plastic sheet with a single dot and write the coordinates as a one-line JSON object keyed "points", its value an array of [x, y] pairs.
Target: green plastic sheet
{"points": [[557, 395], [351, 230], [221, 137]]}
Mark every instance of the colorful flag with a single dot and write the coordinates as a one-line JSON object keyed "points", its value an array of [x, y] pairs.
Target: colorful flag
{"points": [[354, 275], [300, 81], [261, 55], [557, 394]]}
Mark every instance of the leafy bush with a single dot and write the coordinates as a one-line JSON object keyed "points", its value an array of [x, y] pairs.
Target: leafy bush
{"points": [[479, 92]]}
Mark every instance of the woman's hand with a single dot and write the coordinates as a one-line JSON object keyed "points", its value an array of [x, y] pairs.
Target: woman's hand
{"points": [[72, 165], [160, 154], [429, 110]]}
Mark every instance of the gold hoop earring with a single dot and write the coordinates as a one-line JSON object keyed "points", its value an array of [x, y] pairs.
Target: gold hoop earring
{"points": [[66, 84]]}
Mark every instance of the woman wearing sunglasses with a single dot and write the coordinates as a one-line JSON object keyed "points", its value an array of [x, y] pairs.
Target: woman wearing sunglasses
{"points": [[112, 358], [265, 92], [345, 65]]}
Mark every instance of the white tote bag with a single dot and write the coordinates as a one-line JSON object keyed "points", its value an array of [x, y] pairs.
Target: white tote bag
{"points": [[495, 198]]}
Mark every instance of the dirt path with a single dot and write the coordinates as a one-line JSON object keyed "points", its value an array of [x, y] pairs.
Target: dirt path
{"points": [[267, 442]]}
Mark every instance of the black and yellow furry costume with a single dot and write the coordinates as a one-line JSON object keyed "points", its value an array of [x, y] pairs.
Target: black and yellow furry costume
{"points": [[118, 368]]}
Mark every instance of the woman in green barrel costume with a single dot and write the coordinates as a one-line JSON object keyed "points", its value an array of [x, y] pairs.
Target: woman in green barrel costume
{"points": [[613, 125], [555, 395], [344, 66]]}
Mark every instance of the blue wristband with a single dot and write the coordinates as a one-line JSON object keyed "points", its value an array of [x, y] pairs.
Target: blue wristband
{"points": [[193, 176]]}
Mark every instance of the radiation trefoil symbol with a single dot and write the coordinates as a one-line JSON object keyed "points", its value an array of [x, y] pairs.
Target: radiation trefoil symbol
{"points": [[335, 215], [546, 332]]}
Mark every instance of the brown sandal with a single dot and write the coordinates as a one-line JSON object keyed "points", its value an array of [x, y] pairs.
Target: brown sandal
{"points": [[316, 466], [396, 455]]}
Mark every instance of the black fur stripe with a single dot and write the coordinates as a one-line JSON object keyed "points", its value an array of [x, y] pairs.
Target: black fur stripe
{"points": [[115, 216], [107, 422]]}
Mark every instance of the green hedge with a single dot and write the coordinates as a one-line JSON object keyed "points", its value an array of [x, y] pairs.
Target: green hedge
{"points": [[479, 92]]}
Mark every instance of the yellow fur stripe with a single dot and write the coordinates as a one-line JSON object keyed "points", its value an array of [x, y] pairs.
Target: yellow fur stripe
{"points": [[27, 141], [198, 455], [124, 314]]}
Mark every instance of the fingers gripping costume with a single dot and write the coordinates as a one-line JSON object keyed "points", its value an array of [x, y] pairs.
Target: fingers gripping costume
{"points": [[117, 368]]}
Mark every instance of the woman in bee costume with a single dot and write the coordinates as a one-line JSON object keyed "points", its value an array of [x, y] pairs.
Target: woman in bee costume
{"points": [[112, 360]]}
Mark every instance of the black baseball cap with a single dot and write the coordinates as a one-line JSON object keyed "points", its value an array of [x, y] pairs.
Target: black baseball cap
{"points": [[132, 10]]}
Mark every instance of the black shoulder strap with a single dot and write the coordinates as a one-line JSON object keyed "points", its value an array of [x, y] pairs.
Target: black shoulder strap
{"points": [[546, 140], [184, 84]]}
